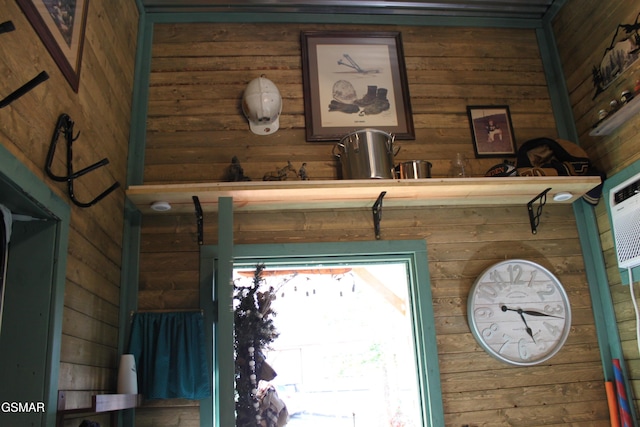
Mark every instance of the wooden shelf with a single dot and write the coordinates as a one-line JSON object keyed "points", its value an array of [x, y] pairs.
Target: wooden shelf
{"points": [[99, 403], [610, 123], [341, 194]]}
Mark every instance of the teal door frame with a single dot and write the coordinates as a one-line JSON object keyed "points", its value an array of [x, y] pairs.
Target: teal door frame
{"points": [[216, 268], [44, 244]]}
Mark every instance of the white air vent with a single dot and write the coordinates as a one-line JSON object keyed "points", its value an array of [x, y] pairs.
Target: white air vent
{"points": [[624, 201]]}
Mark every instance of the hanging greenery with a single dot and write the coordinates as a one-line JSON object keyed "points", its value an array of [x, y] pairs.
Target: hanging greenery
{"points": [[254, 332]]}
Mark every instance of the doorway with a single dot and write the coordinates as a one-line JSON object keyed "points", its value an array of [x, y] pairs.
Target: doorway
{"points": [[31, 323], [411, 254]]}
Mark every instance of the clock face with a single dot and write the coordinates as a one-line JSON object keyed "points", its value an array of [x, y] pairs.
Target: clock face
{"points": [[519, 312]]}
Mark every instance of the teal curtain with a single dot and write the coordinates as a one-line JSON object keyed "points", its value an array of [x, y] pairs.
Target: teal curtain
{"points": [[171, 359]]}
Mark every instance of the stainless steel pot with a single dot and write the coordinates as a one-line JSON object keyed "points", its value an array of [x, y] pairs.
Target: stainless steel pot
{"points": [[414, 169], [366, 153]]}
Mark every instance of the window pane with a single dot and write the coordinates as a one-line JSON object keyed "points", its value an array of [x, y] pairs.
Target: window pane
{"points": [[345, 352]]}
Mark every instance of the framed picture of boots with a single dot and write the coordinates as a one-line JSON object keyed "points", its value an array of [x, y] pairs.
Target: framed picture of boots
{"points": [[353, 81]]}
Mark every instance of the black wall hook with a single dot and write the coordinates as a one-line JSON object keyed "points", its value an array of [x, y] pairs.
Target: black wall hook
{"points": [[24, 89], [65, 126], [6, 27]]}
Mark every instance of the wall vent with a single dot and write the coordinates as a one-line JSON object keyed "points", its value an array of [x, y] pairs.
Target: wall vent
{"points": [[624, 201]]}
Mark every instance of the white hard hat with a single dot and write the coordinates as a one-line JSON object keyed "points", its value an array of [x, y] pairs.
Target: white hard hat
{"points": [[262, 105]]}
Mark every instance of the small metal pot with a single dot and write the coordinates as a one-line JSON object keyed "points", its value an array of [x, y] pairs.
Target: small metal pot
{"points": [[366, 153], [414, 169]]}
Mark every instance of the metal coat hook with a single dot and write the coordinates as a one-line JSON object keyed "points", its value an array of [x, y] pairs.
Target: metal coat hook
{"points": [[65, 126], [377, 214]]}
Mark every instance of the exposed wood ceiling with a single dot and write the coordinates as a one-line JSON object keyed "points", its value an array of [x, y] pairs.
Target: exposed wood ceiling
{"points": [[500, 9]]}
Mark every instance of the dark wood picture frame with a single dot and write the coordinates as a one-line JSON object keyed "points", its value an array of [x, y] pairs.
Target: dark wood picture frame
{"points": [[61, 29], [342, 72], [491, 130]]}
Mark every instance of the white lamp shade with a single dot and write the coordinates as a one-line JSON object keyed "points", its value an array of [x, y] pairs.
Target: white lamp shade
{"points": [[127, 376]]}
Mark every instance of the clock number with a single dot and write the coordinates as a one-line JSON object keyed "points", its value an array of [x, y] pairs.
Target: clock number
{"points": [[554, 310], [499, 281], [489, 332], [504, 344], [487, 292], [518, 271], [553, 330], [483, 312], [548, 291], [532, 278], [523, 351]]}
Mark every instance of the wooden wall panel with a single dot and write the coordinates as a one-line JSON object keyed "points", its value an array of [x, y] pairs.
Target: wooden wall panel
{"points": [[195, 126], [461, 242], [610, 153], [101, 111], [195, 123]]}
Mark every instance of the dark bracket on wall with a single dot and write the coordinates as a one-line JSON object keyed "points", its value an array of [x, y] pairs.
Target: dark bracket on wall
{"points": [[24, 89], [65, 125], [6, 27], [534, 219], [377, 214], [199, 218]]}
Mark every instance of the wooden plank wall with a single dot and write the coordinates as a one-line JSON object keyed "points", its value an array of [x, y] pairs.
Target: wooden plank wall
{"points": [[611, 153], [195, 126], [101, 111]]}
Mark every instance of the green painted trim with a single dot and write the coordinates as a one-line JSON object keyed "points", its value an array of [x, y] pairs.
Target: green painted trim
{"points": [[208, 262], [38, 191], [129, 272], [601, 302], [338, 18], [609, 183], [140, 102], [557, 86], [129, 276], [414, 252], [225, 362]]}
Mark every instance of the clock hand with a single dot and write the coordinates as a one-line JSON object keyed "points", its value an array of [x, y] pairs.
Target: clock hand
{"points": [[530, 312], [537, 313], [521, 313]]}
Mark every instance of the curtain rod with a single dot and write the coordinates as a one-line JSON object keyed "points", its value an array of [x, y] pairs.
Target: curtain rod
{"points": [[166, 310]]}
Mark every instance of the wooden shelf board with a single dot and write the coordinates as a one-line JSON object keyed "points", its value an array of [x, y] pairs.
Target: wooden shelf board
{"points": [[615, 120], [343, 194]]}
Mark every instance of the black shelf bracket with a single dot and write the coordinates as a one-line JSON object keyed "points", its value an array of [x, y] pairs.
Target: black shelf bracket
{"points": [[199, 219], [377, 214], [534, 219]]}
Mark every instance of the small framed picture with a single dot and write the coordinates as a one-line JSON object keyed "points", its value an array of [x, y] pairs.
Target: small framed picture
{"points": [[491, 131]]}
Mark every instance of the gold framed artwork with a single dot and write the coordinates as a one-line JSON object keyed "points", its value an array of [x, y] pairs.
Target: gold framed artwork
{"points": [[352, 81], [60, 25]]}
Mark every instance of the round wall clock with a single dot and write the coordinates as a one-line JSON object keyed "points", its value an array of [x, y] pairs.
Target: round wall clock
{"points": [[519, 312]]}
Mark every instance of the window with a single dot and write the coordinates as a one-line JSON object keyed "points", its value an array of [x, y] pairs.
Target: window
{"points": [[371, 258]]}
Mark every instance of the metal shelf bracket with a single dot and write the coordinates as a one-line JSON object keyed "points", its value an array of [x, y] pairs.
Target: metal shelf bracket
{"points": [[377, 214], [199, 219], [534, 219]]}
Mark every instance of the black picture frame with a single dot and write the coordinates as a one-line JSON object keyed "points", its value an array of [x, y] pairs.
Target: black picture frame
{"points": [[491, 131], [341, 67], [61, 28]]}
